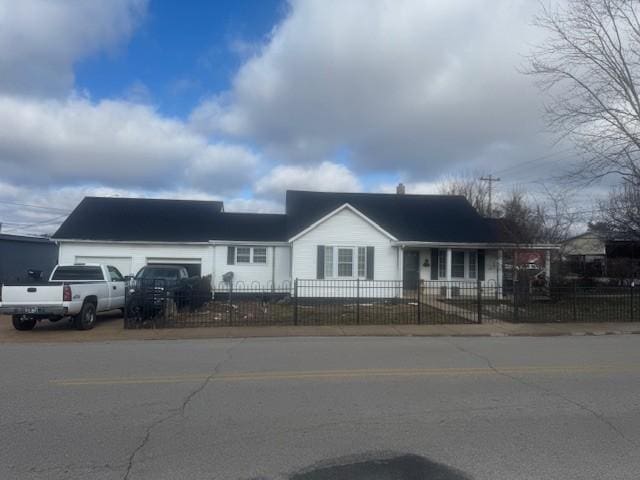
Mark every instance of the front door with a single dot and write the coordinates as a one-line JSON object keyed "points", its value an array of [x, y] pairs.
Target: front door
{"points": [[411, 270]]}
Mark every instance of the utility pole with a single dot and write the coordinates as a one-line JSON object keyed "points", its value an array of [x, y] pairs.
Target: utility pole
{"points": [[490, 179]]}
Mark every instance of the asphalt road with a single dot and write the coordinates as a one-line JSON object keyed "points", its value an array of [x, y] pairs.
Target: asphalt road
{"points": [[323, 408]]}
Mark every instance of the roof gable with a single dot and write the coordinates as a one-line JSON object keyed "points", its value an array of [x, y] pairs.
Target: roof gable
{"points": [[427, 218], [343, 207]]}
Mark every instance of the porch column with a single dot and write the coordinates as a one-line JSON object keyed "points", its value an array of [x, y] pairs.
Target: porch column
{"points": [[401, 270], [448, 272], [499, 275], [547, 265]]}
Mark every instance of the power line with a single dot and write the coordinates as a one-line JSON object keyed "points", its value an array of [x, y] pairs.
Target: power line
{"points": [[30, 225], [35, 206], [536, 159]]}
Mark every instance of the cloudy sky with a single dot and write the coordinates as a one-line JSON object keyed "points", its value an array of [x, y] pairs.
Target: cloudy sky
{"points": [[240, 100]]}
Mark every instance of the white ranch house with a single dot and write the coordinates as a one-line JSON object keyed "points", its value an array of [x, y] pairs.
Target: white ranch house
{"points": [[334, 238]]}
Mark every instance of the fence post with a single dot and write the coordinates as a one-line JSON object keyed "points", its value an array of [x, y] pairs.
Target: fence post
{"points": [[479, 299], [230, 307], [515, 304], [125, 315], [574, 305], [633, 315], [295, 302], [358, 301], [419, 293]]}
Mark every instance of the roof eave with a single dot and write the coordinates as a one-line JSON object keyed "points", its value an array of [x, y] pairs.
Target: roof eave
{"points": [[497, 245]]}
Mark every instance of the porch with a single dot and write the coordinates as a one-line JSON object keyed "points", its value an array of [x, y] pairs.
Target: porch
{"points": [[459, 270]]}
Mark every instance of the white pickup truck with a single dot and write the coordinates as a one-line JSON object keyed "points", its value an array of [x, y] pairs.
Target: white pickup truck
{"points": [[78, 291]]}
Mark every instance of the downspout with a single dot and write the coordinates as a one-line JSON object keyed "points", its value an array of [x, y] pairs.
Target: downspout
{"points": [[273, 268]]}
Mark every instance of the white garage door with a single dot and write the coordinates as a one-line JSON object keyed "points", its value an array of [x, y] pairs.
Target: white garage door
{"points": [[123, 264], [193, 265]]}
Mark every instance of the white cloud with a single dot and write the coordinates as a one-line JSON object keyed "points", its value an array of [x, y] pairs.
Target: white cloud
{"points": [[326, 176], [41, 39], [112, 142], [422, 86]]}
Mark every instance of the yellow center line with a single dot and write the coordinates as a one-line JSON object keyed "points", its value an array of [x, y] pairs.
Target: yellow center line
{"points": [[343, 374]]}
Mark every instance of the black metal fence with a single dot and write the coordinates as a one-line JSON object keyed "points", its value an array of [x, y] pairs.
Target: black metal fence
{"points": [[368, 302]]}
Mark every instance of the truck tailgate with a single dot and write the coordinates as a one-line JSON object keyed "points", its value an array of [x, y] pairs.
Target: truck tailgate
{"points": [[31, 295]]}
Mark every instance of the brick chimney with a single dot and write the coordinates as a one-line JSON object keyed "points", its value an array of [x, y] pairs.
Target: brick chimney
{"points": [[400, 189]]}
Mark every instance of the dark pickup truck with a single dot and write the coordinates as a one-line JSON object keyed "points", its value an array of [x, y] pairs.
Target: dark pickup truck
{"points": [[155, 286]]}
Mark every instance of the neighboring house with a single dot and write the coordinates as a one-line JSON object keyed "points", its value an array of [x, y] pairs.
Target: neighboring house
{"points": [[323, 236], [18, 254], [598, 254]]}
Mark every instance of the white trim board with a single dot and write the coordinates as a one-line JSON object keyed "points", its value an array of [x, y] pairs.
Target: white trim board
{"points": [[522, 246], [336, 211]]}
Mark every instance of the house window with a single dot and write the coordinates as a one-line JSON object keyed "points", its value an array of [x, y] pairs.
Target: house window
{"points": [[259, 255], [457, 264], [328, 262], [345, 262], [362, 262], [442, 263], [473, 264], [248, 255], [243, 255]]}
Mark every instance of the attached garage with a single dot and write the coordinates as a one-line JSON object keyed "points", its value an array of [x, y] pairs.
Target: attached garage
{"points": [[123, 264]]}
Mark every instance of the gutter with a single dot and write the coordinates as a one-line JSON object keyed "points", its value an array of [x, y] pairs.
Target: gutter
{"points": [[537, 246], [136, 242], [248, 242]]}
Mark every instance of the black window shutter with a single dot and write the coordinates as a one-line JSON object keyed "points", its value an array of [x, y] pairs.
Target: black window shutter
{"points": [[370, 264], [434, 263], [320, 263], [481, 265], [231, 255]]}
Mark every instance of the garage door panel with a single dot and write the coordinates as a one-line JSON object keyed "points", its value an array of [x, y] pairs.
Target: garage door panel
{"points": [[193, 265], [123, 264]]}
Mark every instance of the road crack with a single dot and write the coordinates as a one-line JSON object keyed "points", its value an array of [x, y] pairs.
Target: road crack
{"points": [[174, 412], [599, 416]]}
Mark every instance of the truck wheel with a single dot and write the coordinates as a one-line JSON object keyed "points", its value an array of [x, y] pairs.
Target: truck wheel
{"points": [[86, 319], [20, 323]]}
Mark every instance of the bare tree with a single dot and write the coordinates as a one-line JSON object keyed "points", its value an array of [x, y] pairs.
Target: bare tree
{"points": [[590, 65], [547, 220], [558, 217], [471, 187], [620, 212]]}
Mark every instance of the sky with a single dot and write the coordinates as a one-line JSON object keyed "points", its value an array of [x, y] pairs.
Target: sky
{"points": [[241, 100]]}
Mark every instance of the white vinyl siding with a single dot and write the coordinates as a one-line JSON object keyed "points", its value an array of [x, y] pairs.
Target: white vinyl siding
{"points": [[345, 229], [275, 270], [128, 258]]}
